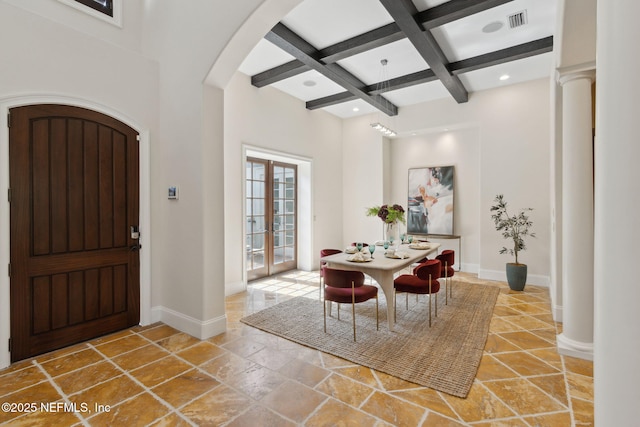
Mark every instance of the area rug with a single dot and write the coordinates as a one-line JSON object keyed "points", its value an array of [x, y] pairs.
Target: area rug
{"points": [[444, 357]]}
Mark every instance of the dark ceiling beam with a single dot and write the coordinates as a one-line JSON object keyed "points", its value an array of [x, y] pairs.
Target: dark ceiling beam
{"points": [[521, 51], [454, 10], [412, 79], [429, 18], [281, 72], [300, 49], [403, 12]]}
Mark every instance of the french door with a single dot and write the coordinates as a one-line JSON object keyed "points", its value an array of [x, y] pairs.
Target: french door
{"points": [[271, 217]]}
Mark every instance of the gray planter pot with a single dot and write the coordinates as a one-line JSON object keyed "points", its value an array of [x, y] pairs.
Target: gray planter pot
{"points": [[516, 276]]}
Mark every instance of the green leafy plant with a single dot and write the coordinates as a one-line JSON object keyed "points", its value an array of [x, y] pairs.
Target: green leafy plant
{"points": [[513, 227], [388, 214]]}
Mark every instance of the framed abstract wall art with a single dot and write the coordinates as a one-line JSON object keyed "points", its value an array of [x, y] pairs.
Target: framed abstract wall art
{"points": [[430, 201]]}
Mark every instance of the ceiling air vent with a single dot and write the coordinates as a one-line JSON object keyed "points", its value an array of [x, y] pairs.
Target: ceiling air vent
{"points": [[517, 19]]}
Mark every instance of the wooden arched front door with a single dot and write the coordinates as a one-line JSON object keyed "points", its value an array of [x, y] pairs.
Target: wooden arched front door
{"points": [[74, 197]]}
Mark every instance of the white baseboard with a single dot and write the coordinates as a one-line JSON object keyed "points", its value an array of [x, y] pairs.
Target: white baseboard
{"points": [[501, 276], [573, 348], [470, 268], [234, 288], [189, 325], [556, 312]]}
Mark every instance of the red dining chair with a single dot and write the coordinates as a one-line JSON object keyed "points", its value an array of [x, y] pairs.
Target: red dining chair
{"points": [[447, 258], [324, 253], [347, 287], [424, 280]]}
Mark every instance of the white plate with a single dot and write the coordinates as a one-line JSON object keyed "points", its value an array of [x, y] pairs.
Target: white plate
{"points": [[420, 246]]}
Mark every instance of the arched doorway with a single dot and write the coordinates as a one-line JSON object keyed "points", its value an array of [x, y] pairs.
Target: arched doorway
{"points": [[144, 215], [75, 264]]}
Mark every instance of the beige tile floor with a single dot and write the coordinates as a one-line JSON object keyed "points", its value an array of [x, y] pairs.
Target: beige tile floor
{"points": [[158, 376]]}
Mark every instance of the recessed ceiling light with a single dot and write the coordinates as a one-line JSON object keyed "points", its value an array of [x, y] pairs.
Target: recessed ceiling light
{"points": [[504, 77], [356, 109], [309, 83], [492, 27]]}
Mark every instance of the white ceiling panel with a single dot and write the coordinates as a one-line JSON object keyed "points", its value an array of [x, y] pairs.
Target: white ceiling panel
{"points": [[263, 57], [326, 22], [402, 59], [533, 68], [308, 86]]}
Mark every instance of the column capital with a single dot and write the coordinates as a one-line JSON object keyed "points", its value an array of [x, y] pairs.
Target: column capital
{"points": [[565, 77]]}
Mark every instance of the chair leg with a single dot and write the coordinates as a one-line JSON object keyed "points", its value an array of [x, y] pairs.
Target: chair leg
{"points": [[429, 300], [377, 323], [436, 303], [395, 306], [324, 312], [446, 283], [353, 308], [338, 310], [406, 302]]}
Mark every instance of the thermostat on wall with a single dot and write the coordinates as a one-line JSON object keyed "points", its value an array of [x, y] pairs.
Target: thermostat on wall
{"points": [[173, 193]]}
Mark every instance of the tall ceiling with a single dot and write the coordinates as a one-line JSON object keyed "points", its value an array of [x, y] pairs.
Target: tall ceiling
{"points": [[329, 53]]}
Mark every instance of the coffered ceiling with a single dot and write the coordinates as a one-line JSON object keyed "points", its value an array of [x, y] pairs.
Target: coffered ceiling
{"points": [[329, 53]]}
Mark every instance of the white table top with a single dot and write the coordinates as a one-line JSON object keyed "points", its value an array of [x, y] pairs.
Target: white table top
{"points": [[380, 261]]}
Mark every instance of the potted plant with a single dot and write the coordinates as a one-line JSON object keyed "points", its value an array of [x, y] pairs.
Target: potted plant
{"points": [[514, 228], [390, 215]]}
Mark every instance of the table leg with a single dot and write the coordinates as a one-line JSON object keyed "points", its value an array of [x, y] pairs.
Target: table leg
{"points": [[385, 280]]}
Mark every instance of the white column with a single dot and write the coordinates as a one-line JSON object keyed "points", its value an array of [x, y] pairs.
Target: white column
{"points": [[617, 223], [577, 215]]}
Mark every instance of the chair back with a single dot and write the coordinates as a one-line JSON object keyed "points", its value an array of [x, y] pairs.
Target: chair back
{"points": [[447, 256], [428, 268], [327, 252], [342, 278]]}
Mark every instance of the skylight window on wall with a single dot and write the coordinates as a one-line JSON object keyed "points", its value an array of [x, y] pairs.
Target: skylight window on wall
{"points": [[102, 6], [107, 10]]}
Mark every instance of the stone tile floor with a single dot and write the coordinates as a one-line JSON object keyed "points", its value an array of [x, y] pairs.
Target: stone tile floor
{"points": [[156, 375]]}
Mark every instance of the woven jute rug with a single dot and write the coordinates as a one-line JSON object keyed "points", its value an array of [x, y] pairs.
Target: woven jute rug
{"points": [[444, 357]]}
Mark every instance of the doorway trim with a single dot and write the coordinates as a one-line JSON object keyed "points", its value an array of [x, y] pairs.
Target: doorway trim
{"points": [[304, 201], [6, 103]]}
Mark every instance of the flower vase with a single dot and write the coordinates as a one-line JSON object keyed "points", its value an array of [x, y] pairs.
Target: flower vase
{"points": [[392, 230]]}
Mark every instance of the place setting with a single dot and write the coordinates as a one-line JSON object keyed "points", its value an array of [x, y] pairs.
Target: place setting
{"points": [[361, 253]]}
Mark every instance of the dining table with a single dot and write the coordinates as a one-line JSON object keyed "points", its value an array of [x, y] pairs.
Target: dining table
{"points": [[382, 268]]}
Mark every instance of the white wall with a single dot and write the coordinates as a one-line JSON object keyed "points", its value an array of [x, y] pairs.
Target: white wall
{"points": [[364, 170], [42, 59], [151, 72], [507, 129], [454, 147], [274, 122]]}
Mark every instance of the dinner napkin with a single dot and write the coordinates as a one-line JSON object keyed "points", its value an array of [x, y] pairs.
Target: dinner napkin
{"points": [[358, 256]]}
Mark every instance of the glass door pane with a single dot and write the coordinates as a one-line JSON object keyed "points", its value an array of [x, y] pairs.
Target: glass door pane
{"points": [[256, 216]]}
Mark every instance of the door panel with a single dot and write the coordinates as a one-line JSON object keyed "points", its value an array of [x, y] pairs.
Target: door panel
{"points": [[271, 217], [283, 184], [74, 266]]}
